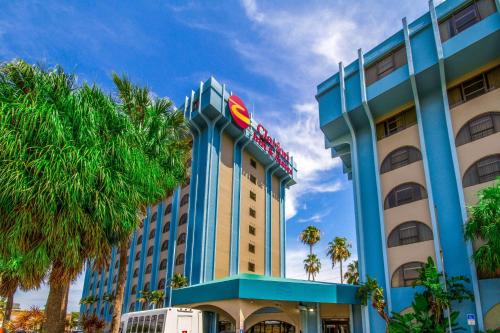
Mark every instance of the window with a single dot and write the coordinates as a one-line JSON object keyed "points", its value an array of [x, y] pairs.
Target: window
{"points": [[115, 278], [152, 234], [166, 227], [161, 284], [406, 274], [386, 65], [117, 263], [147, 286], [136, 272], [106, 282], [138, 256], [134, 289], [409, 233], [474, 87], [149, 268], [251, 248], [185, 199], [478, 128], [399, 158], [253, 163], [163, 264], [251, 230], [164, 245], [183, 219], [98, 284], [153, 218], [253, 196], [139, 240], [179, 260], [253, 179], [404, 194], [252, 212], [150, 251], [251, 267], [159, 323], [91, 286], [396, 123], [181, 239], [168, 210], [484, 170], [465, 18]]}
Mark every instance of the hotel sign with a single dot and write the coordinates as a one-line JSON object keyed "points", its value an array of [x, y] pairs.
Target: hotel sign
{"points": [[261, 136]]}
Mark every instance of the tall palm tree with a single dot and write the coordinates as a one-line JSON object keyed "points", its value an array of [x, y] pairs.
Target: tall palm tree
{"points": [[310, 236], [338, 251], [352, 274], [484, 225], [312, 266], [166, 140], [178, 281]]}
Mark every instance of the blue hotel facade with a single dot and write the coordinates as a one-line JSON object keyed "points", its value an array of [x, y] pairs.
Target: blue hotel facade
{"points": [[225, 231], [416, 122]]}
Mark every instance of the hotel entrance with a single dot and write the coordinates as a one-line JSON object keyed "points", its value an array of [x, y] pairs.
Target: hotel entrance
{"points": [[272, 326]]}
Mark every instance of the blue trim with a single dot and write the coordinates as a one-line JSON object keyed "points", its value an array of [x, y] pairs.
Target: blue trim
{"points": [[368, 113], [157, 245], [172, 244], [282, 230], [95, 278], [107, 315], [144, 248], [269, 171], [130, 264], [86, 283], [101, 291]]}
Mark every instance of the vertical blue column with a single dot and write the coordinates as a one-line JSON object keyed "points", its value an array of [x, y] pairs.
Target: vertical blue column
{"points": [[94, 284], [86, 283], [157, 245], [144, 248], [107, 315], [269, 170], [172, 244], [130, 265], [282, 229]]}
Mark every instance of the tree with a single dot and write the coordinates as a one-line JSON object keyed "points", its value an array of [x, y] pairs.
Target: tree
{"points": [[430, 308], [178, 281], [312, 266], [310, 236], [370, 290], [30, 320], [338, 251], [92, 324], [153, 297], [484, 226], [167, 144], [352, 274]]}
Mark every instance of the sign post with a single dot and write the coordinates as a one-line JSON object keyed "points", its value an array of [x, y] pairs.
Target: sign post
{"points": [[471, 321]]}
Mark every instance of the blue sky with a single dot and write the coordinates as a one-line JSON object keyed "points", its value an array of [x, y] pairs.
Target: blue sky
{"points": [[272, 54]]}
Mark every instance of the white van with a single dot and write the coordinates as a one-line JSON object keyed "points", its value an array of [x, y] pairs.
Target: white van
{"points": [[165, 320]]}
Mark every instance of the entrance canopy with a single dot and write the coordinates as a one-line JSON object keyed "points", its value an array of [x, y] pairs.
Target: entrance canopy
{"points": [[259, 287]]}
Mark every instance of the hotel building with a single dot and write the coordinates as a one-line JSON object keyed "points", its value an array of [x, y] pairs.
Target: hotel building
{"points": [[416, 122], [225, 231]]}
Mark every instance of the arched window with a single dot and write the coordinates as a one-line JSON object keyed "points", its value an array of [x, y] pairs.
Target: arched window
{"points": [[136, 272], [152, 234], [150, 251], [179, 260], [117, 263], [164, 245], [484, 170], [147, 286], [185, 199], [149, 268], [183, 219], [139, 240], [106, 282], [153, 218], [408, 233], [138, 256], [163, 264], [399, 158], [161, 284], [134, 289], [168, 209], [98, 284], [91, 286], [166, 227], [406, 274], [403, 194], [483, 125], [181, 239]]}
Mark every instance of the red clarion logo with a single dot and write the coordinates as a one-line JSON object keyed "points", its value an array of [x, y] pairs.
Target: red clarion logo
{"points": [[239, 111]]}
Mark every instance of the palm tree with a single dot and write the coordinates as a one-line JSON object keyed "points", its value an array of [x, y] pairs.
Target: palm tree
{"points": [[166, 140], [338, 251], [352, 274], [312, 266], [179, 281], [310, 236], [484, 225], [371, 290], [154, 297]]}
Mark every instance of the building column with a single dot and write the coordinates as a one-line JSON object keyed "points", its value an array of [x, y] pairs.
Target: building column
{"points": [[144, 249], [107, 316], [86, 283], [268, 172], [157, 245], [172, 245], [130, 264]]}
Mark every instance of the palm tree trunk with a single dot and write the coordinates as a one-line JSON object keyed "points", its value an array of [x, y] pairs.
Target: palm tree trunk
{"points": [[8, 308], [120, 288], [341, 275], [310, 249], [55, 309]]}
